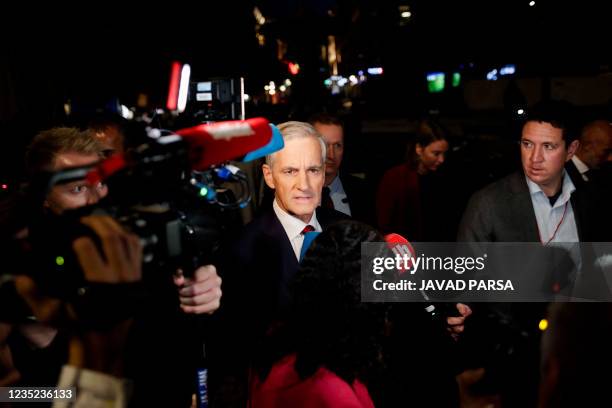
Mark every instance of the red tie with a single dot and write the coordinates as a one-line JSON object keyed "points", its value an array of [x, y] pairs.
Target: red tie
{"points": [[308, 228]]}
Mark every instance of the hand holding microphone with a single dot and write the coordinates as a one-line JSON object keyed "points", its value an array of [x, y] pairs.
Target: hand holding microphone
{"points": [[454, 319], [456, 324]]}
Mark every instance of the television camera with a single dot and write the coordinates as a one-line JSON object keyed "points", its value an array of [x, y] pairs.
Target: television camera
{"points": [[171, 191]]}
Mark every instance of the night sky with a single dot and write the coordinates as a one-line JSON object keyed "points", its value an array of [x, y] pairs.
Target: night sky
{"points": [[112, 51], [49, 55]]}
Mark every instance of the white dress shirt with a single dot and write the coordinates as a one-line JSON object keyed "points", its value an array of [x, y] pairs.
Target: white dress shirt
{"points": [[582, 168], [293, 227], [559, 217], [556, 223]]}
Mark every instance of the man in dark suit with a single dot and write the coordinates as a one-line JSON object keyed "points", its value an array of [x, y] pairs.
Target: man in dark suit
{"points": [[296, 174], [265, 258], [590, 167], [595, 146], [541, 203], [538, 204], [503, 212], [347, 194], [270, 246]]}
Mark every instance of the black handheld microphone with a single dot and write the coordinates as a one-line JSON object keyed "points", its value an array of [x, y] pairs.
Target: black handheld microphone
{"points": [[438, 311]]}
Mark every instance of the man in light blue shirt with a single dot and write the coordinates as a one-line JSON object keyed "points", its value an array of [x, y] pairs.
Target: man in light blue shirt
{"points": [[538, 204]]}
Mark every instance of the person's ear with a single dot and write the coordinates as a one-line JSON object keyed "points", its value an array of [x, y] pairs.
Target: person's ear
{"points": [[267, 172], [418, 149], [571, 149]]}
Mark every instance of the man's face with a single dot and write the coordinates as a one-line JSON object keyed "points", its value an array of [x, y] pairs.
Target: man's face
{"points": [[544, 154], [297, 175], [334, 139], [76, 193], [112, 139]]}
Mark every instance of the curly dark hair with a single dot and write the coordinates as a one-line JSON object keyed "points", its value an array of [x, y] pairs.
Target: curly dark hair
{"points": [[329, 325]]}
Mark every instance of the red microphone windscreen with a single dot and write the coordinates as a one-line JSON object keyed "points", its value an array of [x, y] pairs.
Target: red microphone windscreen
{"points": [[222, 141], [400, 246]]}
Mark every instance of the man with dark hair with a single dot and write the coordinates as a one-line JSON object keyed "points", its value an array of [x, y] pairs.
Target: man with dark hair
{"points": [[347, 194], [538, 204]]}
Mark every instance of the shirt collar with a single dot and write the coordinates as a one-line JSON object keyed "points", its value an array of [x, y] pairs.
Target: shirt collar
{"points": [[580, 165], [336, 185], [293, 226], [567, 189]]}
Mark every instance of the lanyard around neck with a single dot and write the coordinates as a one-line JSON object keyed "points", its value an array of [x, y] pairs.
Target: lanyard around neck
{"points": [[556, 228]]}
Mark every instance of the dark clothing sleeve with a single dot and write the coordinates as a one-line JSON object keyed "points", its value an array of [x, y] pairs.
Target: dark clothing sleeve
{"points": [[475, 225]]}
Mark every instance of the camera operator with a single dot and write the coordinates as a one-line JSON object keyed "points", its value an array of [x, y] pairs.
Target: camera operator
{"points": [[61, 148], [53, 150], [159, 326], [58, 149]]}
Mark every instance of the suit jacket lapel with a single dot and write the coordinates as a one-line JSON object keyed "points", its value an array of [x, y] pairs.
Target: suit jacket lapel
{"points": [[276, 233], [574, 174], [580, 215], [522, 209]]}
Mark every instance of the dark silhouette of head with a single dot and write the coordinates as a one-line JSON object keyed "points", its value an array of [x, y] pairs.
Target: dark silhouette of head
{"points": [[329, 325]]}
